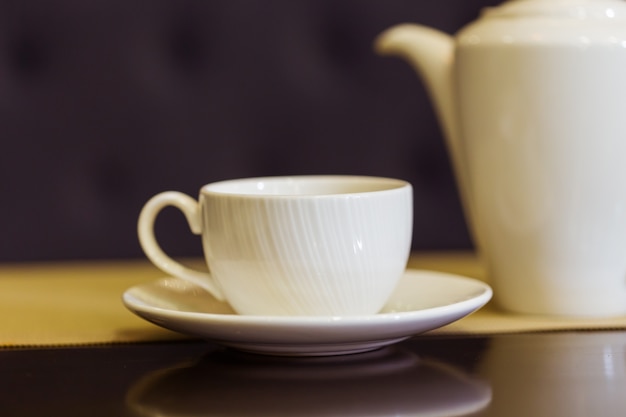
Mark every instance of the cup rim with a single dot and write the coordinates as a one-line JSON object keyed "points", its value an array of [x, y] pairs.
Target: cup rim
{"points": [[379, 184]]}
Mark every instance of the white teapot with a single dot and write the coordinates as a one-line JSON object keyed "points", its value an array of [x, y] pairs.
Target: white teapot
{"points": [[532, 100]]}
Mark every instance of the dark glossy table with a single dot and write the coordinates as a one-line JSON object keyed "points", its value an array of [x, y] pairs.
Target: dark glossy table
{"points": [[541, 374]]}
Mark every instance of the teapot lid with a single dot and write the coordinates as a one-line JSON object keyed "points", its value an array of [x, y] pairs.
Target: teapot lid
{"points": [[577, 9], [549, 22]]}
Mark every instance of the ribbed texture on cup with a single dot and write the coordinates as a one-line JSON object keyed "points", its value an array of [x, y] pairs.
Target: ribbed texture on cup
{"points": [[328, 255]]}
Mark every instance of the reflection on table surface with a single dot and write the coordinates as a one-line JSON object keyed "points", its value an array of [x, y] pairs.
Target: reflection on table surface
{"points": [[542, 374], [387, 382]]}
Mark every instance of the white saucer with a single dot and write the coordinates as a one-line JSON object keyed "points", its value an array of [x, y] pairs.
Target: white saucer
{"points": [[423, 300]]}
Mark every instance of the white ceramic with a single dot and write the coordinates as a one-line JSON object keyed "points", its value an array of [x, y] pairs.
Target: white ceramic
{"points": [[388, 382], [303, 245], [532, 98], [422, 301]]}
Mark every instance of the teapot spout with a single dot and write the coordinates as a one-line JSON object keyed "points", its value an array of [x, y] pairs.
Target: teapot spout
{"points": [[431, 54]]}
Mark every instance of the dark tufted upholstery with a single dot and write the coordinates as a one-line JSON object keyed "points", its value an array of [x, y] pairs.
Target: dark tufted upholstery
{"points": [[104, 103]]}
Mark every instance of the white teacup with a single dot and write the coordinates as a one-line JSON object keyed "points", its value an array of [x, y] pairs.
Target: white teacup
{"points": [[303, 245]]}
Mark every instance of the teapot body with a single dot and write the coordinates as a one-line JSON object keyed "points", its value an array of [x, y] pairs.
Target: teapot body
{"points": [[541, 108], [532, 98]]}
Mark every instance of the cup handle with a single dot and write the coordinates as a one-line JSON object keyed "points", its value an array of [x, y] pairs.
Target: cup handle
{"points": [[150, 246]]}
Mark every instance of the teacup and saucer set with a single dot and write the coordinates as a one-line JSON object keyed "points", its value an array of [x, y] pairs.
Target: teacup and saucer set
{"points": [[299, 266], [529, 97]]}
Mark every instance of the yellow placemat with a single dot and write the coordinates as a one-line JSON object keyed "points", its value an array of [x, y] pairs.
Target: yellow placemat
{"points": [[73, 303], [80, 303]]}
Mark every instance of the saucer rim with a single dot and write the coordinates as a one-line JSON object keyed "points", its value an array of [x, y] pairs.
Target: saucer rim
{"points": [[316, 335], [485, 294]]}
